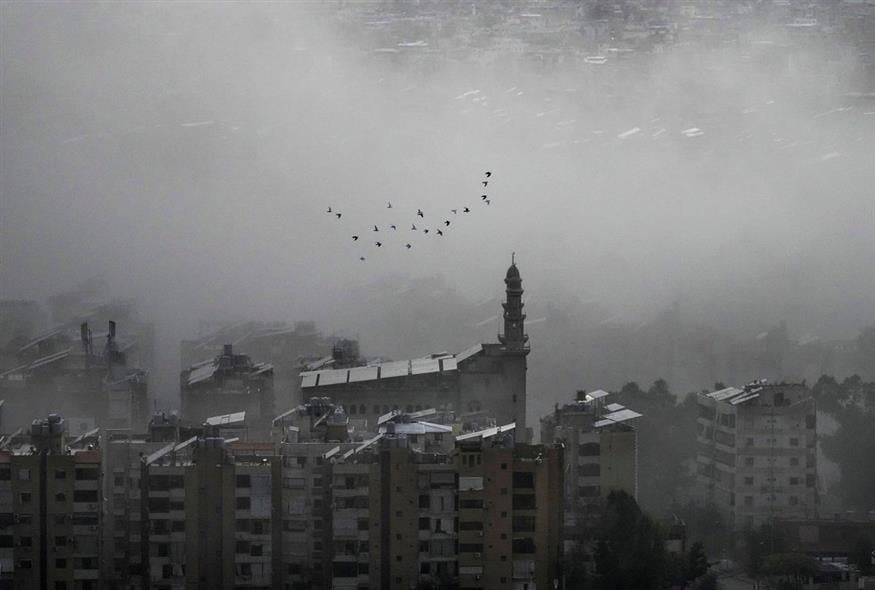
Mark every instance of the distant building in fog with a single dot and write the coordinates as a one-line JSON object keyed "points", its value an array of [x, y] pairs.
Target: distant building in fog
{"points": [[601, 456], [489, 377], [227, 384], [757, 453]]}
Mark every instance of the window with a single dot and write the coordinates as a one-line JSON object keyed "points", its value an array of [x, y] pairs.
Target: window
{"points": [[523, 480], [85, 495], [523, 501], [470, 547], [794, 442], [590, 469], [86, 473], [25, 497], [794, 481], [589, 450], [177, 526], [353, 410], [243, 480], [472, 503], [362, 409], [810, 421], [24, 475], [243, 503], [257, 551], [748, 501], [748, 461], [523, 524], [748, 481], [60, 474], [794, 461], [376, 409], [60, 585], [424, 501], [25, 541], [163, 549], [5, 474], [27, 518], [794, 500], [524, 545], [25, 564], [60, 497], [423, 524], [748, 442], [471, 526]]}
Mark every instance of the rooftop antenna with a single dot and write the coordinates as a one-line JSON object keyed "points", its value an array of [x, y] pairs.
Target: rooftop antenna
{"points": [[513, 257]]}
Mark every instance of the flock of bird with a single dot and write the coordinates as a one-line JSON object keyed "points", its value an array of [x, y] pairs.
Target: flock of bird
{"points": [[439, 227]]}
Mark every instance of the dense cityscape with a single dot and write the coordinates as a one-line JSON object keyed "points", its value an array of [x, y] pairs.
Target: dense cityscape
{"points": [[387, 403]]}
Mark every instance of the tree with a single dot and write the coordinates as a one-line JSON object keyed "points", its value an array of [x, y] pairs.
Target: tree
{"points": [[630, 554], [861, 556], [697, 561]]}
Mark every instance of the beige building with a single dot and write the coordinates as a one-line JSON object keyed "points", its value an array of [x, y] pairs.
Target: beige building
{"points": [[50, 511], [757, 456], [601, 456]]}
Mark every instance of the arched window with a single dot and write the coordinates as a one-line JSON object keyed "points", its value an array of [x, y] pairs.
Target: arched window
{"points": [[362, 409], [352, 410]]}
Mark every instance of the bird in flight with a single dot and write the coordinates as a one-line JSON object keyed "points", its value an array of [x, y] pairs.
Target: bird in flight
{"points": [[439, 232], [389, 206], [447, 223], [485, 182], [425, 230], [466, 210], [488, 174], [488, 201], [454, 211], [420, 213], [483, 197], [393, 227], [338, 215], [355, 238], [329, 210], [413, 227], [361, 257], [376, 228], [408, 246], [379, 244]]}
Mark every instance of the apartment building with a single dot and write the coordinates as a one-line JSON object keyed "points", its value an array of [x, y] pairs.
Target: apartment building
{"points": [[601, 456], [479, 517], [757, 453], [50, 511]]}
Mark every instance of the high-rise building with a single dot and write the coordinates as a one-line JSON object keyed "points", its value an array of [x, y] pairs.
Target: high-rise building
{"points": [[601, 456], [50, 512], [757, 456], [226, 384]]}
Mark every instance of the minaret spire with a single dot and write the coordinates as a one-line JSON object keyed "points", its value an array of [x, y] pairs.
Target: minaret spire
{"points": [[514, 337]]}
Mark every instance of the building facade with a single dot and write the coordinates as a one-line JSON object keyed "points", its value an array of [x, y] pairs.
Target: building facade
{"points": [[757, 453], [490, 377]]}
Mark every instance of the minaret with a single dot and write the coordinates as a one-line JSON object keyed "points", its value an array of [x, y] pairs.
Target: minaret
{"points": [[514, 337]]}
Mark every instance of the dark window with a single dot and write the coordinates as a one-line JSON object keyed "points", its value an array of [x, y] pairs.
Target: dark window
{"points": [[177, 526], [524, 480], [243, 480], [242, 547], [424, 501], [589, 469], [523, 501], [588, 491], [810, 421], [85, 495], [159, 504], [163, 549], [590, 449], [471, 526], [471, 503], [60, 497], [524, 545], [257, 551], [60, 474], [523, 524], [243, 503], [424, 523], [470, 547], [25, 497], [5, 474], [794, 442], [5, 541], [89, 474]]}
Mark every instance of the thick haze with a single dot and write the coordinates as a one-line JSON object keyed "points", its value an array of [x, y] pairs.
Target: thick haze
{"points": [[188, 152]]}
